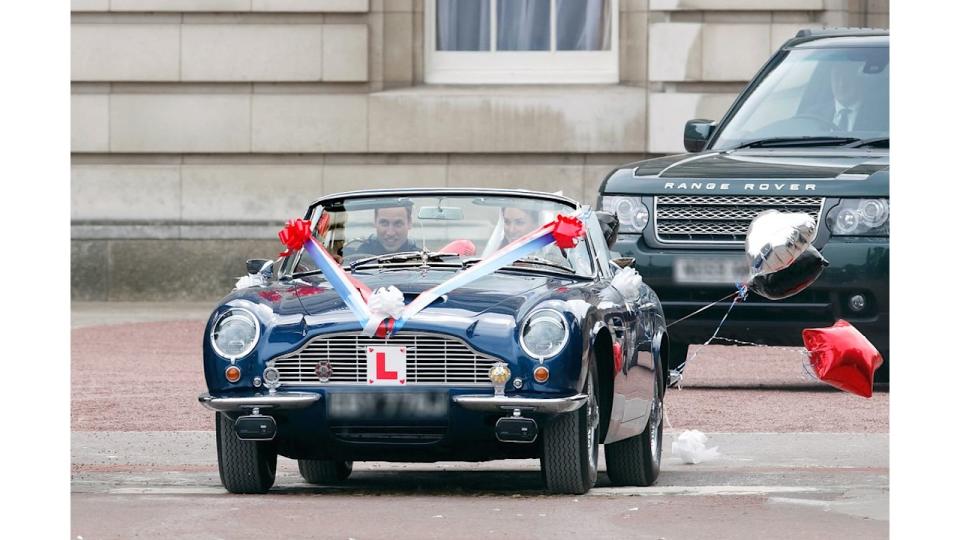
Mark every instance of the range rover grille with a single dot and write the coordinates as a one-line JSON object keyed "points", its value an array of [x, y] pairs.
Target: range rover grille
{"points": [[716, 219], [431, 359]]}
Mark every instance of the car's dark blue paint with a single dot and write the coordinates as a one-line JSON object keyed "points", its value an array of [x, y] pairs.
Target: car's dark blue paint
{"points": [[487, 315]]}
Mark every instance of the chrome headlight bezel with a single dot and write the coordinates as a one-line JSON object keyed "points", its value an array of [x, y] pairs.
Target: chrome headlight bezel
{"points": [[632, 213], [235, 313], [860, 217], [544, 316]]}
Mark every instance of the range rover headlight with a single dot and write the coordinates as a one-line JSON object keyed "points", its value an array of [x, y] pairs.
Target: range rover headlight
{"points": [[860, 217], [631, 212], [235, 334], [544, 334]]}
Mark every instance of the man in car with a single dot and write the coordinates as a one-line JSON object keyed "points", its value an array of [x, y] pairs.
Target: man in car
{"points": [[393, 227], [847, 85]]}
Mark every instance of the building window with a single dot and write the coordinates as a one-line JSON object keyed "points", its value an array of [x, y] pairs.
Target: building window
{"points": [[521, 41]]}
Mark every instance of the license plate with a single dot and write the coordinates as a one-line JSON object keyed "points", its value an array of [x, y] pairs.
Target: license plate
{"points": [[717, 270], [387, 405], [386, 366]]}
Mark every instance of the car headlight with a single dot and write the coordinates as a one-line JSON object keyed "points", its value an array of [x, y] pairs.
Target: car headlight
{"points": [[860, 217], [235, 334], [631, 212], [544, 334]]}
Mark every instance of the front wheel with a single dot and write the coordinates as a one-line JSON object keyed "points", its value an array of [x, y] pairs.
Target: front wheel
{"points": [[636, 461], [245, 466], [571, 445]]}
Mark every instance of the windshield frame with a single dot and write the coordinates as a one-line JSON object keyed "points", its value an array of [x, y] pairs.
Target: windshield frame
{"points": [[772, 63], [315, 210]]}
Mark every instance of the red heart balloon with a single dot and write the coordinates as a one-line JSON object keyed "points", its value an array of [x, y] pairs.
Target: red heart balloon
{"points": [[842, 357]]}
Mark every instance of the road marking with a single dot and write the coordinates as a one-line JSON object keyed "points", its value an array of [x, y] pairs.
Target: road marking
{"points": [[700, 490]]}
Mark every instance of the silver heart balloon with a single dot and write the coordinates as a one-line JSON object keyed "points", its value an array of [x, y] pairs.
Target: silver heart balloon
{"points": [[775, 239]]}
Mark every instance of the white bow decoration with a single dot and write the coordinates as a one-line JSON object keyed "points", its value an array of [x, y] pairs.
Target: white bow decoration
{"points": [[383, 303], [250, 280], [627, 281]]}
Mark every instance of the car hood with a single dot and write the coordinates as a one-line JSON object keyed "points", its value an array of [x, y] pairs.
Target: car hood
{"points": [[502, 293], [775, 171]]}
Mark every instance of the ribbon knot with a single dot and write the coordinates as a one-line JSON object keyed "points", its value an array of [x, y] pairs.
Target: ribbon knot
{"points": [[567, 230], [294, 235], [384, 303]]}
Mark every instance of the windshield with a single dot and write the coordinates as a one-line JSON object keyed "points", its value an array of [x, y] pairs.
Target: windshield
{"points": [[833, 93], [363, 231]]}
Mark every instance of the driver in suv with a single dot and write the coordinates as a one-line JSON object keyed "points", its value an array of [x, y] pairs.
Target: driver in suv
{"points": [[810, 133]]}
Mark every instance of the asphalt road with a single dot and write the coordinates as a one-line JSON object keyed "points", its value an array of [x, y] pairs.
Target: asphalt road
{"points": [[798, 460]]}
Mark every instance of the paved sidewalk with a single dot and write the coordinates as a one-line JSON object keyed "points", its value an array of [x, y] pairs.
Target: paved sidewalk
{"points": [[106, 313]]}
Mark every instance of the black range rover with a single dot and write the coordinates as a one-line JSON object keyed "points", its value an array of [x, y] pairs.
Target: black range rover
{"points": [[810, 133]]}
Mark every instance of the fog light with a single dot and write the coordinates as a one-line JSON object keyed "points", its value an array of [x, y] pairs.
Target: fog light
{"points": [[858, 302], [271, 379], [541, 374], [232, 374]]}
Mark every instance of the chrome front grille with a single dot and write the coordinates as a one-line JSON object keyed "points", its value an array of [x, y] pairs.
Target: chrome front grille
{"points": [[431, 359], [717, 218]]}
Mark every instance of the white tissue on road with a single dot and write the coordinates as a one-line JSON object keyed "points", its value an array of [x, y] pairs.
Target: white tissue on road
{"points": [[691, 447]]}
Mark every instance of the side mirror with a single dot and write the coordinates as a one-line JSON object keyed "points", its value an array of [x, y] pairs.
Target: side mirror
{"points": [[610, 225], [623, 262], [696, 133], [255, 266]]}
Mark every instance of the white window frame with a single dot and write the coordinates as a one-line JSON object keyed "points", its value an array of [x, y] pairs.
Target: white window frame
{"points": [[520, 67]]}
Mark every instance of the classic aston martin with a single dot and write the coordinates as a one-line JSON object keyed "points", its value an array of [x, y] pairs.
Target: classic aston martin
{"points": [[423, 325]]}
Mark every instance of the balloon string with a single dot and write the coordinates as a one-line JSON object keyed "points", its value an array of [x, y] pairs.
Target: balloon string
{"points": [[704, 308], [805, 368], [739, 295]]}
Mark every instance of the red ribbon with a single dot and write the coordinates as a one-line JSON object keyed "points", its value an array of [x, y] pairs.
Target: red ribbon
{"points": [[294, 234], [566, 231]]}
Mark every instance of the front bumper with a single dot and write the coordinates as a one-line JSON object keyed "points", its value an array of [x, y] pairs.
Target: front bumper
{"points": [[277, 401], [488, 403], [312, 423]]}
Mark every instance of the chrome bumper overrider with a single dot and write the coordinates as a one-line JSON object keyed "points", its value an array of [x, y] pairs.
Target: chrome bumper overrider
{"points": [[280, 400], [501, 403]]}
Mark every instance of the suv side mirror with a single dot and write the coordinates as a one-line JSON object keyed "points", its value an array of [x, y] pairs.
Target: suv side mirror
{"points": [[255, 266], [696, 133], [610, 225]]}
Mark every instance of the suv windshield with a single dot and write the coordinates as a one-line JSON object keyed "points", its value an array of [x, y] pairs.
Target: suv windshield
{"points": [[835, 95], [368, 230]]}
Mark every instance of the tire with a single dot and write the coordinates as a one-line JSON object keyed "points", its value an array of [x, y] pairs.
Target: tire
{"points": [[677, 354], [245, 466], [324, 471], [571, 445], [636, 461]]}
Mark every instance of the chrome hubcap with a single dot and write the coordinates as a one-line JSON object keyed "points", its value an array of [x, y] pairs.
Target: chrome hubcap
{"points": [[656, 416], [593, 420]]}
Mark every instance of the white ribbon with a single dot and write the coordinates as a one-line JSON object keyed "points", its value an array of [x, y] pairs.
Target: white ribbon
{"points": [[383, 303], [628, 282]]}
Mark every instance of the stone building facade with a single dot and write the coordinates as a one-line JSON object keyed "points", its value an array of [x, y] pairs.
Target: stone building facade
{"points": [[199, 126]]}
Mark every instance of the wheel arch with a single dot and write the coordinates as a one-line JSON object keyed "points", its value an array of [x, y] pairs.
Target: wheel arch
{"points": [[602, 348]]}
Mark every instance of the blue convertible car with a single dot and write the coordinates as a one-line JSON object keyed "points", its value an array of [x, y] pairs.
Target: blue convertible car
{"points": [[546, 357]]}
